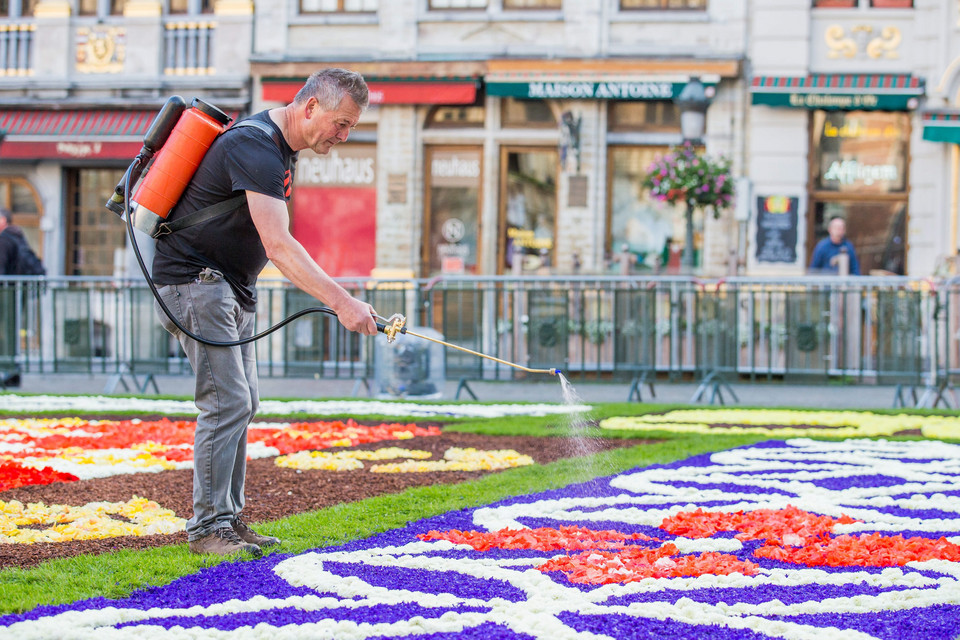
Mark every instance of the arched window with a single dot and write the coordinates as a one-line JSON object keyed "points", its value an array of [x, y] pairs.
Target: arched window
{"points": [[19, 196]]}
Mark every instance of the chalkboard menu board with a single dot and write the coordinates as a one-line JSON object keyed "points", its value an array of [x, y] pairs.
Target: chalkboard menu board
{"points": [[777, 228]]}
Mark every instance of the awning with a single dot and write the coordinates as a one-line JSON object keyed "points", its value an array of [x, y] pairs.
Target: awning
{"points": [[389, 91], [609, 79], [941, 125], [869, 92], [72, 134]]}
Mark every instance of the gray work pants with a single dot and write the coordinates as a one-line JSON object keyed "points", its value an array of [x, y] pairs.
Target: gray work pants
{"points": [[226, 394]]}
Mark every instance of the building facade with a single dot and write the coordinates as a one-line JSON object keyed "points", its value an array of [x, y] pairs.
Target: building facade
{"points": [[512, 136], [80, 83]]}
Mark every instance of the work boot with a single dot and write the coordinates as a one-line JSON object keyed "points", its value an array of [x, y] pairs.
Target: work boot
{"points": [[224, 542], [249, 535]]}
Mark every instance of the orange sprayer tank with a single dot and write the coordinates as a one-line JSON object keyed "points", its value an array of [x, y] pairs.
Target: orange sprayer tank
{"points": [[176, 162]]}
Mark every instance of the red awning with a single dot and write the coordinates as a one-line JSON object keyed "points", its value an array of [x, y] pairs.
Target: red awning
{"points": [[73, 134], [383, 92]]}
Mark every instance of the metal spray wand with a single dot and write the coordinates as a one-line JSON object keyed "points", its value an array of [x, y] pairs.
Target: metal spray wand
{"points": [[395, 324]]}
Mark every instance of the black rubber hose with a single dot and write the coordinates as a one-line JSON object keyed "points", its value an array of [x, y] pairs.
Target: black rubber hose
{"points": [[156, 294]]}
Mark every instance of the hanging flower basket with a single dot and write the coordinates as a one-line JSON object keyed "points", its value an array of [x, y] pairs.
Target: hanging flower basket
{"points": [[684, 175]]}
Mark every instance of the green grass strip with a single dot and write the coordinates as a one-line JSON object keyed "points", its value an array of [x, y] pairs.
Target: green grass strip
{"points": [[114, 575]]}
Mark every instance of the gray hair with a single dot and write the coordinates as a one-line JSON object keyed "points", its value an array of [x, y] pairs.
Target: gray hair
{"points": [[6, 214], [329, 86]]}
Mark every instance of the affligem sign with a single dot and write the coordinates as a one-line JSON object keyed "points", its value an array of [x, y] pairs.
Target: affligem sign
{"points": [[335, 208]]}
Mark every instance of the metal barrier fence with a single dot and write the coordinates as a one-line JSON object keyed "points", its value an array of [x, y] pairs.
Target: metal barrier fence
{"points": [[896, 331]]}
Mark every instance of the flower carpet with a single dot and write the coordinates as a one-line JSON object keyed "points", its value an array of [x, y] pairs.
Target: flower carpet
{"points": [[796, 538]]}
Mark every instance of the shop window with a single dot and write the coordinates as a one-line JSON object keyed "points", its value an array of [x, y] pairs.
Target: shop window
{"points": [[853, 4], [858, 172], [454, 179], [189, 7], [533, 4], [455, 117], [528, 207], [100, 8], [653, 115], [94, 234], [520, 113], [339, 6], [335, 208], [17, 8], [458, 4], [661, 5], [19, 196], [644, 235]]}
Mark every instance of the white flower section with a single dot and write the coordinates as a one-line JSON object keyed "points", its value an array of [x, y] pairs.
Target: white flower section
{"points": [[103, 463], [92, 404]]}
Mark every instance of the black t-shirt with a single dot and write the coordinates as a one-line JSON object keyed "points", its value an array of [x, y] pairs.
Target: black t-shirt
{"points": [[240, 159]]}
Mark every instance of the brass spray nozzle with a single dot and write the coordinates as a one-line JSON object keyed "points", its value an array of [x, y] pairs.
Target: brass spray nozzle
{"points": [[393, 325]]}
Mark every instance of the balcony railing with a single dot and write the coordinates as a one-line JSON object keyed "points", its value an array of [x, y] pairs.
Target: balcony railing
{"points": [[16, 49], [188, 48]]}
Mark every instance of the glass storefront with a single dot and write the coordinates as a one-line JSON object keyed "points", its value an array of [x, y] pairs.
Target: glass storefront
{"points": [[454, 177], [859, 173], [644, 234], [335, 208], [528, 209], [96, 237]]}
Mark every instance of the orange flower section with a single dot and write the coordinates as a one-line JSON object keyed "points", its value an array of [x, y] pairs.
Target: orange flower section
{"points": [[752, 525], [13, 475], [303, 436], [636, 563], [543, 539], [866, 550]]}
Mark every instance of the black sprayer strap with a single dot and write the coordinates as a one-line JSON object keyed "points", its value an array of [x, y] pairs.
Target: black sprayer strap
{"points": [[207, 213], [220, 208]]}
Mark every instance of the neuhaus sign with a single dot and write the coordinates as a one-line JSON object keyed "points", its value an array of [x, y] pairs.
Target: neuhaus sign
{"points": [[586, 90]]}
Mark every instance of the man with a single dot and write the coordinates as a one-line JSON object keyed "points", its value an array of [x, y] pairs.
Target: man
{"points": [[209, 272], [832, 251], [16, 256]]}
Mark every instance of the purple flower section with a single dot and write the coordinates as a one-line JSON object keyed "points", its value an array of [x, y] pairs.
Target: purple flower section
{"points": [[226, 581], [755, 595], [486, 631], [940, 622], [725, 487], [280, 617], [856, 482], [625, 627], [451, 582]]}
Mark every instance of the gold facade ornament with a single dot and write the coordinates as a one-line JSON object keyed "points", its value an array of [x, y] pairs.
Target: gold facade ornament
{"points": [[845, 45], [101, 49]]}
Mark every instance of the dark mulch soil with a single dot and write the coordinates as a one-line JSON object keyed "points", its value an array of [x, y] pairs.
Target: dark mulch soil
{"points": [[273, 492]]}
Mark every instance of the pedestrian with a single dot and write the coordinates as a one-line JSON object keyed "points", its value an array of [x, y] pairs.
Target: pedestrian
{"points": [[208, 275], [16, 256], [835, 253]]}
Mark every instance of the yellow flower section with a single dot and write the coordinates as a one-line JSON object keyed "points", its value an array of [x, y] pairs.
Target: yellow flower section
{"points": [[37, 522], [456, 459], [782, 422], [344, 460]]}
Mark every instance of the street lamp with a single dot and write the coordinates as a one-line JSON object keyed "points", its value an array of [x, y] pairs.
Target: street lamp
{"points": [[692, 103]]}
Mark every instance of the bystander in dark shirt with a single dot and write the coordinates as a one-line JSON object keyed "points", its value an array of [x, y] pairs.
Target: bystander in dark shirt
{"points": [[826, 250]]}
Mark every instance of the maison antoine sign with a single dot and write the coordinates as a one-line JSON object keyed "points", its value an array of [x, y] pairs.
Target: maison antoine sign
{"points": [[586, 90]]}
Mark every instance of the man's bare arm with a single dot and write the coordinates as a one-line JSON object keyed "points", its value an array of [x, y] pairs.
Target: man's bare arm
{"points": [[272, 221]]}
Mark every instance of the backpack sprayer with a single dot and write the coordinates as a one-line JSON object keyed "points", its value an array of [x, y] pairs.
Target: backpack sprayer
{"points": [[173, 147]]}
